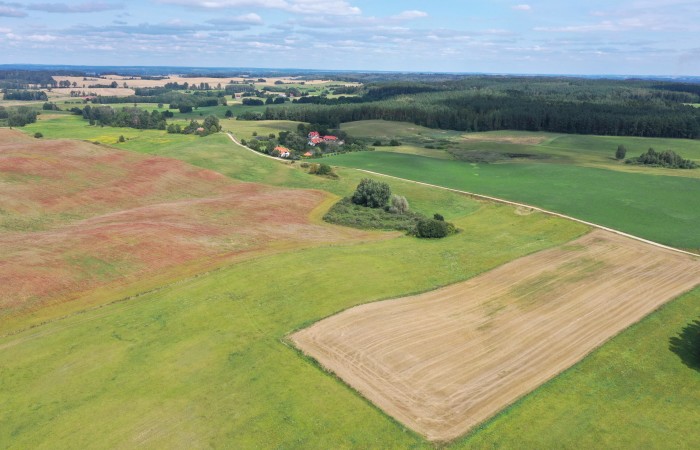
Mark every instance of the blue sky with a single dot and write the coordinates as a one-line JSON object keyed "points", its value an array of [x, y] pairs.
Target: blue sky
{"points": [[644, 37]]}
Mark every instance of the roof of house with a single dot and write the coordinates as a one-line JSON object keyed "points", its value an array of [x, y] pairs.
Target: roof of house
{"points": [[281, 149], [316, 140], [314, 134], [330, 138], [308, 154]]}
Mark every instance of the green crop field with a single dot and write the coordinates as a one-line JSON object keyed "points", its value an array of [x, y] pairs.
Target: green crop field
{"points": [[203, 362], [540, 147], [661, 208]]}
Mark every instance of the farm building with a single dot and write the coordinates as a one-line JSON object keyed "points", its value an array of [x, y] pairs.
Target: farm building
{"points": [[283, 151]]}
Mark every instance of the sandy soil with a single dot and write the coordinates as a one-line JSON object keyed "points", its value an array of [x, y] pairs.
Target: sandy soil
{"points": [[445, 361], [75, 216]]}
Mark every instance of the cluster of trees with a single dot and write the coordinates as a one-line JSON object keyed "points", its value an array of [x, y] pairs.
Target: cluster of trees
{"points": [[18, 117], [666, 158], [125, 117], [210, 125], [25, 95], [377, 195]]}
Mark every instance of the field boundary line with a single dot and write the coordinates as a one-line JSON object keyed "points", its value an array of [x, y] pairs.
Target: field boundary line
{"points": [[535, 208]]}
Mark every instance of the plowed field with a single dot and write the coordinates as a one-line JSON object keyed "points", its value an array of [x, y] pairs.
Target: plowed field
{"points": [[444, 361], [75, 216]]}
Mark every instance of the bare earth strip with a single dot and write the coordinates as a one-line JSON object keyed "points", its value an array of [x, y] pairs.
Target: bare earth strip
{"points": [[445, 361]]}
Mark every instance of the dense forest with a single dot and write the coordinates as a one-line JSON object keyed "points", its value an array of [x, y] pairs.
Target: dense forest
{"points": [[582, 106]]}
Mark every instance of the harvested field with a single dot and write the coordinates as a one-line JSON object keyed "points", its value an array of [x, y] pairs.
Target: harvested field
{"points": [[445, 361], [75, 216]]}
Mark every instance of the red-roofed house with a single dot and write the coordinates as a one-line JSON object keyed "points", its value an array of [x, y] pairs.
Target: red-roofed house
{"points": [[330, 138], [315, 141], [308, 154], [284, 151], [314, 134]]}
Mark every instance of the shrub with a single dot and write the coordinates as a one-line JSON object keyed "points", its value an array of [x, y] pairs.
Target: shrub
{"points": [[394, 143], [121, 138], [38, 135], [371, 193], [377, 143], [439, 217], [399, 204], [621, 152], [324, 169], [431, 228]]}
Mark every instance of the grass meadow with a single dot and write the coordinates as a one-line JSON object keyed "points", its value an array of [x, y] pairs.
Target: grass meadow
{"points": [[203, 361], [665, 209]]}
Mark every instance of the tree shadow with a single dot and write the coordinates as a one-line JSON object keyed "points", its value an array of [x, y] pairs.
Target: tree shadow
{"points": [[687, 345]]}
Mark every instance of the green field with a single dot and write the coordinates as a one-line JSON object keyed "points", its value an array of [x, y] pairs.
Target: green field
{"points": [[543, 148], [203, 362], [661, 208]]}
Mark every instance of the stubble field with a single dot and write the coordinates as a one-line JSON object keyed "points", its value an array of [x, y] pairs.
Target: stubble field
{"points": [[445, 361]]}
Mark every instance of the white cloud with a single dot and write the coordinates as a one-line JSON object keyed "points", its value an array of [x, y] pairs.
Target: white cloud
{"points": [[10, 10], [317, 7], [245, 20], [522, 7], [32, 37], [410, 15], [85, 7]]}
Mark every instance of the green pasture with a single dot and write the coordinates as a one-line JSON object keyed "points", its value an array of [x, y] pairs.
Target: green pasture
{"points": [[203, 363], [544, 148], [660, 208]]}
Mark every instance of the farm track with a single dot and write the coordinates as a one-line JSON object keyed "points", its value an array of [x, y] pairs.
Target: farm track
{"points": [[445, 361]]}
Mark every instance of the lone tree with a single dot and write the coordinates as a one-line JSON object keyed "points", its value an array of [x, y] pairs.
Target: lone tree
{"points": [[621, 152], [371, 193]]}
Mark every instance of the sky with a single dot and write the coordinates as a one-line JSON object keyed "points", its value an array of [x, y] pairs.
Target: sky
{"points": [[612, 37]]}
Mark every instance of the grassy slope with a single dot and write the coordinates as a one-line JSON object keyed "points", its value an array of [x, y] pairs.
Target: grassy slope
{"points": [[189, 340], [200, 363], [663, 209]]}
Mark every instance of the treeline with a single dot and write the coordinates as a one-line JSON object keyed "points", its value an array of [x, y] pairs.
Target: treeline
{"points": [[176, 100], [24, 79], [486, 104], [125, 117], [25, 95]]}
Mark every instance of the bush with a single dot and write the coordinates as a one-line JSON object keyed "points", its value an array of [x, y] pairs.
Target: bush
{"points": [[439, 217], [38, 135], [621, 152], [346, 213], [431, 228], [377, 143], [399, 204], [121, 138], [394, 143], [371, 193], [324, 169]]}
